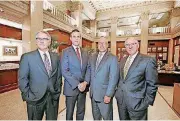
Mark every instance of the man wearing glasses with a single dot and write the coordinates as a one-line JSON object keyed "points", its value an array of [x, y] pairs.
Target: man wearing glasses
{"points": [[40, 80], [137, 84]]}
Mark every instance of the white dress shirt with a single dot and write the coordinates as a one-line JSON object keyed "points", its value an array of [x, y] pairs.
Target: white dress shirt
{"points": [[42, 55]]}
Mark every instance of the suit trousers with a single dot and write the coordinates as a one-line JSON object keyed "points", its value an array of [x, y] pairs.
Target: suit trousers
{"points": [[46, 104], [102, 110], [128, 114], [70, 104]]}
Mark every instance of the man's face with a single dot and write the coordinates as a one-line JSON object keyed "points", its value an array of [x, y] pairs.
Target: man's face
{"points": [[131, 46], [102, 45], [75, 38], [43, 41]]}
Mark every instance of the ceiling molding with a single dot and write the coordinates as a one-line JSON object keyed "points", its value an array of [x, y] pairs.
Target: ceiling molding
{"points": [[154, 7]]}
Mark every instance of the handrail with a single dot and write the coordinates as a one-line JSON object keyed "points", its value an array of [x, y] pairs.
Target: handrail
{"points": [[57, 13], [159, 30]]}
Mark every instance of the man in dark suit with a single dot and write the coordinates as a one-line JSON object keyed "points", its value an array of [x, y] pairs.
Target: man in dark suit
{"points": [[74, 64], [102, 74], [137, 85], [40, 80]]}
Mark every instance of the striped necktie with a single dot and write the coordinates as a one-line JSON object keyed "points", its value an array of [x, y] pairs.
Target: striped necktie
{"points": [[47, 64], [127, 65]]}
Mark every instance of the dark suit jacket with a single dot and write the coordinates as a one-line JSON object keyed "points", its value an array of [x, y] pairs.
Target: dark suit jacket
{"points": [[139, 87], [102, 81], [72, 70], [34, 79]]}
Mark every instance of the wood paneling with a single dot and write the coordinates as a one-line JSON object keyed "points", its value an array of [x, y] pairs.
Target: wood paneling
{"points": [[86, 43], [158, 49], [8, 80], [62, 38], [10, 32]]}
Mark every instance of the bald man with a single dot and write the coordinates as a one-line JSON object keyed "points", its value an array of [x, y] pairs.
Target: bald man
{"points": [[137, 85], [102, 75]]}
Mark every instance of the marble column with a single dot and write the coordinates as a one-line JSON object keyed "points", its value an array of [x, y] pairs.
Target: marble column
{"points": [[36, 20], [175, 17], [144, 32], [26, 34], [93, 27], [76, 9], [113, 34]]}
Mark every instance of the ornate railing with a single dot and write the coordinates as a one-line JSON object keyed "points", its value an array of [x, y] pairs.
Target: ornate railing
{"points": [[57, 13], [160, 30]]}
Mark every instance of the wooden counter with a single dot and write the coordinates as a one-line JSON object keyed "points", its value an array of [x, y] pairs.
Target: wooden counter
{"points": [[8, 80], [168, 77], [176, 98]]}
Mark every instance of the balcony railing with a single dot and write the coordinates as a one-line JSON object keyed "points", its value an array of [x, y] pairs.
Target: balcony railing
{"points": [[86, 30], [160, 30], [57, 13]]}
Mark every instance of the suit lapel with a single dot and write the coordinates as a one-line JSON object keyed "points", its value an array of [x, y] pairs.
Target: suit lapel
{"points": [[53, 61], [40, 62], [134, 64], [102, 61], [94, 61], [75, 56], [82, 58]]}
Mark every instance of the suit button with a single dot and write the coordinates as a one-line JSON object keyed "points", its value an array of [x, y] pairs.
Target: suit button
{"points": [[122, 90], [123, 82]]}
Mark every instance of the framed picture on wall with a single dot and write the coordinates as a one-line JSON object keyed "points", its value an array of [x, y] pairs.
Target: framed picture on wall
{"points": [[164, 49], [149, 49], [154, 49], [10, 50]]}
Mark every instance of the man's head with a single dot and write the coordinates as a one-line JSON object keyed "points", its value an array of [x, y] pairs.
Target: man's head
{"points": [[132, 46], [75, 37], [102, 44], [43, 40]]}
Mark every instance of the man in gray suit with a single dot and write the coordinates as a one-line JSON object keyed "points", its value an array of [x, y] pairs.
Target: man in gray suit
{"points": [[74, 65], [102, 75], [40, 80], [137, 85]]}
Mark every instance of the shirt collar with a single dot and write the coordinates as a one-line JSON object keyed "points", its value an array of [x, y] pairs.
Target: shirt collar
{"points": [[133, 56], [76, 47]]}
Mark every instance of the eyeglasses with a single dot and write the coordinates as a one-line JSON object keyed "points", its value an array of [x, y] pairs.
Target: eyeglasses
{"points": [[42, 39], [132, 44]]}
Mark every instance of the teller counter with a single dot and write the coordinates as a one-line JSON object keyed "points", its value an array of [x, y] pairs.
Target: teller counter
{"points": [[168, 77]]}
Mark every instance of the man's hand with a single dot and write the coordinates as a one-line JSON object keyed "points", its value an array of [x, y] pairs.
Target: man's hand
{"points": [[82, 86], [107, 99]]}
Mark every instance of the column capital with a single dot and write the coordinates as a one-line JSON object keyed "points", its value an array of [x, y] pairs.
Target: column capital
{"points": [[175, 12], [76, 6], [145, 15], [114, 20]]}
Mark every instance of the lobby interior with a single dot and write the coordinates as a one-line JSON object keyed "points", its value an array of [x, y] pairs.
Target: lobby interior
{"points": [[155, 24]]}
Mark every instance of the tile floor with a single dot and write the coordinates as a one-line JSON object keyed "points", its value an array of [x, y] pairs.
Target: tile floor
{"points": [[13, 108]]}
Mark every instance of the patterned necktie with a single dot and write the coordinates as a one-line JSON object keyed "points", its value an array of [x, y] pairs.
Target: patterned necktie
{"points": [[126, 67], [78, 54], [98, 60], [47, 64]]}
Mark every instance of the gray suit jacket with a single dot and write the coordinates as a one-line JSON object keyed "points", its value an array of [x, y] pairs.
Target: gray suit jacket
{"points": [[102, 81], [34, 79], [139, 87], [72, 70]]}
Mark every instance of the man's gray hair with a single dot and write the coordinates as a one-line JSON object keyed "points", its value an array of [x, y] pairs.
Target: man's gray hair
{"points": [[45, 32]]}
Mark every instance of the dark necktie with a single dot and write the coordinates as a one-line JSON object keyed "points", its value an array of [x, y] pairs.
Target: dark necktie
{"points": [[78, 54], [47, 64]]}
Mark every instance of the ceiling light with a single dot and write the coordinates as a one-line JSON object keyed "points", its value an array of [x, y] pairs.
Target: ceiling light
{"points": [[160, 15], [1, 10]]}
